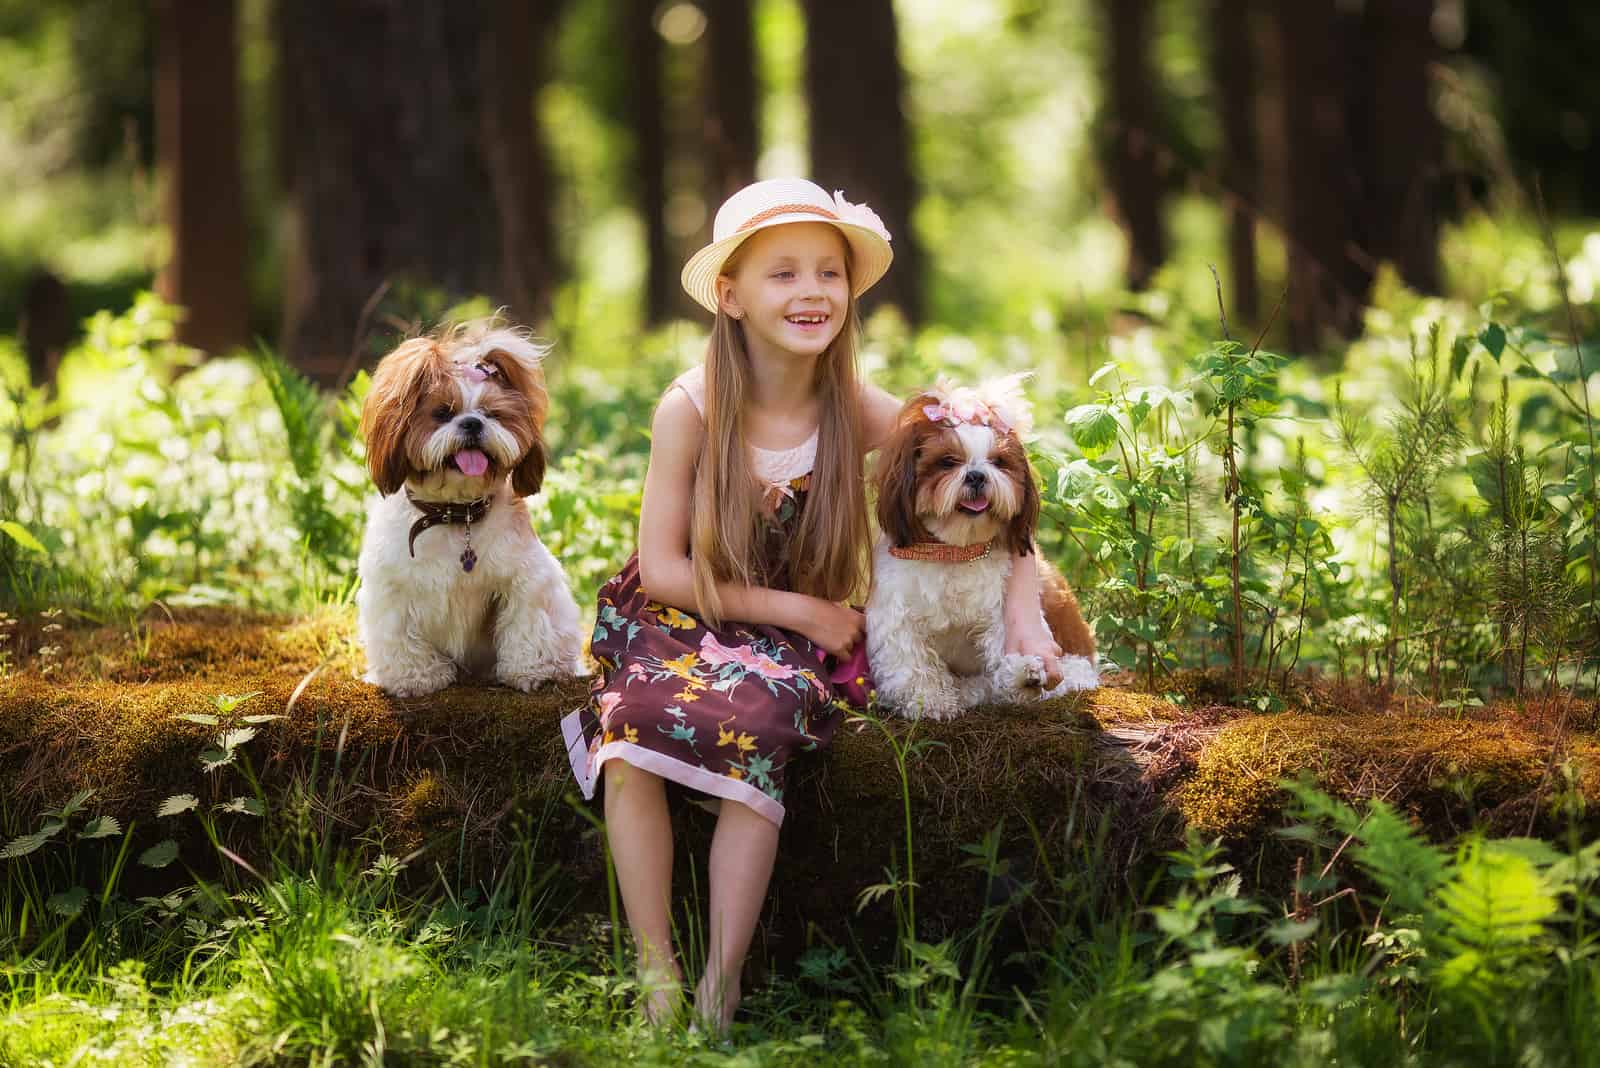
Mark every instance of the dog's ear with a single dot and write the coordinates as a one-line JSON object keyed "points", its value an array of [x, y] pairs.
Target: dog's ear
{"points": [[528, 475], [397, 388], [896, 479], [516, 359], [1019, 532]]}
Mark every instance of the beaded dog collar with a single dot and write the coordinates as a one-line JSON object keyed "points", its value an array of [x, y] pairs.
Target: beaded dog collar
{"points": [[938, 550]]}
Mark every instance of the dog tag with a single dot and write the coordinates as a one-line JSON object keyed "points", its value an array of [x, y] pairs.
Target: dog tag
{"points": [[468, 558]]}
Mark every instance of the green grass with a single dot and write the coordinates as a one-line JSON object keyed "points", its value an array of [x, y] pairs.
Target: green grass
{"points": [[1480, 956]]}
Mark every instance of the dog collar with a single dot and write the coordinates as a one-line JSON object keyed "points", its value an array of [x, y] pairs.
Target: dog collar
{"points": [[435, 513], [938, 550]]}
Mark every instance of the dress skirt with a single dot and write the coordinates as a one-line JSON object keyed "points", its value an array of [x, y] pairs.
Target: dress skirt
{"points": [[721, 712]]}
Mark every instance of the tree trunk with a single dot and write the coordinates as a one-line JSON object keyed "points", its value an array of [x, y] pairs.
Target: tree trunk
{"points": [[1130, 137], [731, 99], [516, 65], [385, 112], [645, 97], [1405, 156], [1234, 72], [197, 146], [858, 133], [1330, 273]]}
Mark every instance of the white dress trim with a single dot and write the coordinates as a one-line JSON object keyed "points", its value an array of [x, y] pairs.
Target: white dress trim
{"points": [[587, 771], [775, 467]]}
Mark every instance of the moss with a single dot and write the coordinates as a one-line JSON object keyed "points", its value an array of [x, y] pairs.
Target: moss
{"points": [[1449, 773]]}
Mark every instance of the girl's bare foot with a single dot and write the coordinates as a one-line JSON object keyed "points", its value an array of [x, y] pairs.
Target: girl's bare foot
{"points": [[660, 997], [716, 999]]}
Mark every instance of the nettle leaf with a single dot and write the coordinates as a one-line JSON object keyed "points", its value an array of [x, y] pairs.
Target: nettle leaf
{"points": [[1286, 930], [160, 855], [178, 804], [1093, 428], [74, 803], [101, 827], [244, 806], [68, 903], [22, 845], [264, 718], [226, 702], [212, 759], [233, 739], [201, 717]]}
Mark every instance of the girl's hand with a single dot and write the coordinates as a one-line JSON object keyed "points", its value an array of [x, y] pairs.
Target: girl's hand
{"points": [[1036, 641], [835, 627]]}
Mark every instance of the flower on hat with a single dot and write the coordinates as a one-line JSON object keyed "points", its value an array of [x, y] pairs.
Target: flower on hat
{"points": [[858, 214]]}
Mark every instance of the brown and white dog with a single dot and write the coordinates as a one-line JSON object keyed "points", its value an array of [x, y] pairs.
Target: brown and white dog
{"points": [[956, 501], [453, 578]]}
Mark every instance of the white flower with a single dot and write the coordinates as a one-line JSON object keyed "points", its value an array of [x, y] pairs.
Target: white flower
{"points": [[859, 215]]}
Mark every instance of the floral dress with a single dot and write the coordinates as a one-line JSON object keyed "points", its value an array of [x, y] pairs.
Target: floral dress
{"points": [[721, 711]]}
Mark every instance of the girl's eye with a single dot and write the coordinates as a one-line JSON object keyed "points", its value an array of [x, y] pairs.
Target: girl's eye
{"points": [[442, 413], [830, 274], [784, 274]]}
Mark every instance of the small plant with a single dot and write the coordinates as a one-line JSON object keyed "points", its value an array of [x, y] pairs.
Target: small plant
{"points": [[1402, 466]]}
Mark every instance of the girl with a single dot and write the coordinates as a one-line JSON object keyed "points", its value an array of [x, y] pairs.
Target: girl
{"points": [[711, 640]]}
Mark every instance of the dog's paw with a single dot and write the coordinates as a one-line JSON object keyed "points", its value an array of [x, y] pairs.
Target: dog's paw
{"points": [[1024, 675], [418, 683], [935, 706], [529, 677]]}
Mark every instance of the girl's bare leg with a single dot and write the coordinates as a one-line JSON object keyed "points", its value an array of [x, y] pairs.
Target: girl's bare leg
{"points": [[742, 851], [639, 832]]}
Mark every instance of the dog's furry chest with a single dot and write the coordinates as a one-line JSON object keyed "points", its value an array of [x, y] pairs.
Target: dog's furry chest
{"points": [[953, 607]]}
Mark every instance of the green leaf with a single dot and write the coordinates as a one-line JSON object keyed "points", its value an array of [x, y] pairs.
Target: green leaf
{"points": [[233, 739], [101, 827], [68, 903], [20, 535], [265, 718], [212, 759], [1093, 428], [177, 804], [244, 806], [200, 717], [22, 845], [1493, 339], [1286, 931], [159, 855], [226, 702]]}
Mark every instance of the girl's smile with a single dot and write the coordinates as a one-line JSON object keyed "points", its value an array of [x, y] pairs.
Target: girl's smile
{"points": [[790, 289]]}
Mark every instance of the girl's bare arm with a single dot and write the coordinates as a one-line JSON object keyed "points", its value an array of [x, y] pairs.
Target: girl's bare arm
{"points": [[664, 566]]}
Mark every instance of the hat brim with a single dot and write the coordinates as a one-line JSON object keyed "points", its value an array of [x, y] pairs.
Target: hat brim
{"points": [[870, 256]]}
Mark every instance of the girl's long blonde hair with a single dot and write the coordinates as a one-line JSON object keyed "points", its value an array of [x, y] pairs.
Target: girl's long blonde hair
{"points": [[728, 525]]}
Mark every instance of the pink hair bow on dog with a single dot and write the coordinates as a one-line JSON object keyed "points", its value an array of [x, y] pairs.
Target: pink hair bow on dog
{"points": [[998, 403]]}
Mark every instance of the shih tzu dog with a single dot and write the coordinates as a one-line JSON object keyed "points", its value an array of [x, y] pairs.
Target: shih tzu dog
{"points": [[453, 578], [956, 500]]}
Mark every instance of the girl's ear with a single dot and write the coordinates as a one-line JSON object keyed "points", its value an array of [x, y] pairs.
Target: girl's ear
{"points": [[727, 300], [1019, 532], [896, 479]]}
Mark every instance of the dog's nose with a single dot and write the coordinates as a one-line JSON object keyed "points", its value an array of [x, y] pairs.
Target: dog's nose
{"points": [[470, 424], [976, 480]]}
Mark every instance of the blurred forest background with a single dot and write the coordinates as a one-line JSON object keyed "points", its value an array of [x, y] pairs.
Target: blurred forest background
{"points": [[311, 173]]}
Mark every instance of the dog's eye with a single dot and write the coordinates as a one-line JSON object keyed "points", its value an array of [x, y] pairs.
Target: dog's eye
{"points": [[442, 413], [948, 462]]}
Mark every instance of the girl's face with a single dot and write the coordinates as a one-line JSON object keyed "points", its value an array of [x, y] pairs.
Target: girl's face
{"points": [[790, 288]]}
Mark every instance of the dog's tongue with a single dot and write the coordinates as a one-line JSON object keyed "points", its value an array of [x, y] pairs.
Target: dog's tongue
{"points": [[471, 462], [977, 504]]}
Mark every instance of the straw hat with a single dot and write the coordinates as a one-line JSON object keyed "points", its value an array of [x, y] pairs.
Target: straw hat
{"points": [[787, 200]]}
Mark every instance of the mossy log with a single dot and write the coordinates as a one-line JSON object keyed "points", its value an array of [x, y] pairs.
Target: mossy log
{"points": [[1111, 774]]}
